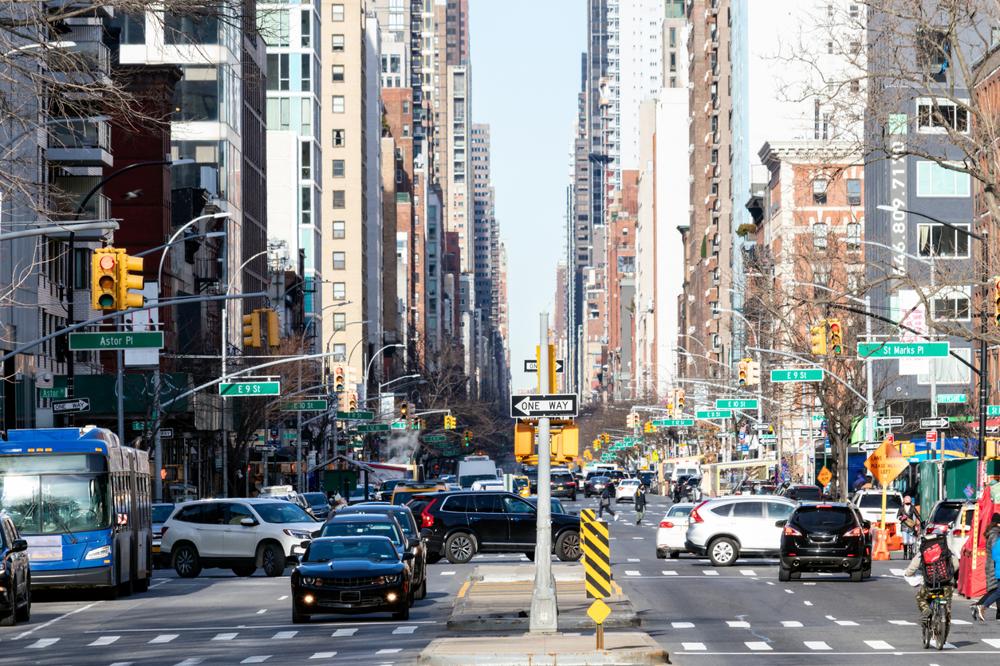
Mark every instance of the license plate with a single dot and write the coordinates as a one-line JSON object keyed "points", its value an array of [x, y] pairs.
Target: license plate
{"points": [[350, 596], [156, 549]]}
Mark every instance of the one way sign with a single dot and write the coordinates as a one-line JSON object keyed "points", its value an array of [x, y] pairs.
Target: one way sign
{"points": [[534, 406], [531, 365], [70, 406]]}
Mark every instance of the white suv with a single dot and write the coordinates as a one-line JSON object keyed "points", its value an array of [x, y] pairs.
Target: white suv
{"points": [[727, 527], [237, 534]]}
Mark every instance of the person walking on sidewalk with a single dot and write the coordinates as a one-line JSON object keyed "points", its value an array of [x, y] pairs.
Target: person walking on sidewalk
{"points": [[605, 503], [992, 581], [640, 504]]}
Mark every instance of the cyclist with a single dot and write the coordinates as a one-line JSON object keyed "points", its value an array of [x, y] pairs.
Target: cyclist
{"points": [[938, 567]]}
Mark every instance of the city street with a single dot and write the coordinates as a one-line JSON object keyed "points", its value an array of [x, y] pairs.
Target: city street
{"points": [[700, 614]]}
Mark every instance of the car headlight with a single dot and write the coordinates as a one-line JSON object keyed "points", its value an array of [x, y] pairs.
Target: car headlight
{"points": [[387, 580], [308, 580], [298, 534], [98, 553]]}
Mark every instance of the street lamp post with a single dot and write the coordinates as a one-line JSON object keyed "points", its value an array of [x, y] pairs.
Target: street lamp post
{"points": [[364, 381]]}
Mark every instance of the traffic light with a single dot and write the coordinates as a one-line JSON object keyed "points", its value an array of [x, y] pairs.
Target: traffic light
{"points": [[817, 339], [251, 329], [339, 381], [104, 279], [836, 337], [647, 427], [743, 371], [403, 409], [273, 330], [524, 440], [129, 278], [996, 300], [352, 401], [753, 373], [467, 438], [449, 422], [670, 409], [680, 400]]}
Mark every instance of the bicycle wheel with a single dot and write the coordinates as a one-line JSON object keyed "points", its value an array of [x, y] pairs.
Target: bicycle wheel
{"points": [[940, 626], [925, 628]]}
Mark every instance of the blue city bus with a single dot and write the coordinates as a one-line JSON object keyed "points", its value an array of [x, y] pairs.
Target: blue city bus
{"points": [[82, 501]]}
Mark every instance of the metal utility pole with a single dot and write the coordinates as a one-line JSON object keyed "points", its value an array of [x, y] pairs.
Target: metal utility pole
{"points": [[544, 611]]}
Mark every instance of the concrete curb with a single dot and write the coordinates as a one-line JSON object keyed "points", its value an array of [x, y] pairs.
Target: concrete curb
{"points": [[558, 649]]}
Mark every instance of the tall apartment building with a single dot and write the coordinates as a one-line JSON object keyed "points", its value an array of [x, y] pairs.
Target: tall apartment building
{"points": [[578, 235], [484, 221]]}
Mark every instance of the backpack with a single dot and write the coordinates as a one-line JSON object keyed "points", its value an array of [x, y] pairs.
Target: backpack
{"points": [[935, 563]]}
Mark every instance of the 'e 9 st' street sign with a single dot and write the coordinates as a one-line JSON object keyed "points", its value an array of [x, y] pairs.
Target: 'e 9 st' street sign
{"points": [[249, 388], [797, 375]]}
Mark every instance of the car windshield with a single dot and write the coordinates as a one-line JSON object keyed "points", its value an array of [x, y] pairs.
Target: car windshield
{"points": [[315, 499], [945, 514], [377, 550], [282, 512], [467, 480], [598, 479], [824, 519], [161, 512], [874, 500], [679, 510], [352, 528], [399, 514]]}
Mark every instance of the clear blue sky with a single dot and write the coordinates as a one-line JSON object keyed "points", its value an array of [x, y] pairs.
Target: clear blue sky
{"points": [[525, 79]]}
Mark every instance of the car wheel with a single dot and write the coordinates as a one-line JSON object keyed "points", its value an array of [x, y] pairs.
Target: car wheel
{"points": [[433, 558], [10, 619], [868, 573], [459, 548], [187, 564], [723, 552], [298, 617], [857, 575], [784, 574], [402, 614], [142, 585], [23, 614], [674, 554], [568, 546], [272, 560], [245, 570]]}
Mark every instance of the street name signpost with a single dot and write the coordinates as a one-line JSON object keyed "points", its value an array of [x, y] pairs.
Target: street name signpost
{"points": [[435, 439], [934, 422], [398, 425], [768, 437], [714, 414], [731, 403], [890, 421], [71, 406], [355, 416], [373, 427], [125, 340], [542, 406], [762, 427], [249, 388], [900, 349], [54, 393], [673, 423], [531, 365], [952, 398], [306, 406], [797, 375]]}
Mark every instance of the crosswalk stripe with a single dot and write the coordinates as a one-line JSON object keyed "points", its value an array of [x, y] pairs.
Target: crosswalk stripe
{"points": [[693, 647], [710, 572], [879, 645], [896, 572], [104, 640], [259, 659], [748, 572], [633, 559], [191, 661], [284, 635], [123, 663], [791, 623], [389, 650], [903, 623], [847, 623], [163, 638], [42, 643], [738, 624], [992, 642], [632, 572], [408, 629], [224, 637], [344, 632], [447, 573], [817, 645], [667, 572], [682, 625], [955, 620], [323, 655], [757, 645]]}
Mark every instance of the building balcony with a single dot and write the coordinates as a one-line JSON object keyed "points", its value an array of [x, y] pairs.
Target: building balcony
{"points": [[80, 141]]}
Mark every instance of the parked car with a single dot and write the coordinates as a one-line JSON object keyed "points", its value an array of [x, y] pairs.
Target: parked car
{"points": [[626, 490], [487, 484], [688, 489], [672, 530], [238, 534], [161, 511], [826, 538], [953, 518], [595, 485], [317, 504], [557, 506], [411, 531], [562, 484], [727, 527], [359, 574], [384, 492], [649, 480], [457, 525], [404, 492], [15, 574], [802, 493], [869, 502]]}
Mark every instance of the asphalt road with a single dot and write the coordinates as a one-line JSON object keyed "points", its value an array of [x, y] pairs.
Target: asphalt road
{"points": [[702, 615]]}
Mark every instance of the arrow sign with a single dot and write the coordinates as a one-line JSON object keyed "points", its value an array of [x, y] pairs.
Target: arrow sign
{"points": [[935, 422], [533, 406], [890, 421], [531, 365], [762, 427], [70, 406]]}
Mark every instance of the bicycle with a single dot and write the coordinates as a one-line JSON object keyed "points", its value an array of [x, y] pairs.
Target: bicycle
{"points": [[939, 622]]}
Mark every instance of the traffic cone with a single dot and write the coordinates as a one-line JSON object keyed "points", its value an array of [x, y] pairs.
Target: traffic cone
{"points": [[881, 551]]}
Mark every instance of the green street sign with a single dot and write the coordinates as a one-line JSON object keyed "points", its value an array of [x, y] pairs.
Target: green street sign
{"points": [[817, 418], [288, 434], [139, 426], [673, 423], [355, 416], [992, 410], [963, 419], [399, 425], [746, 403], [56, 393], [249, 389], [898, 349], [306, 406], [797, 375], [714, 413], [124, 340], [373, 427], [952, 398], [435, 439], [629, 441], [767, 437]]}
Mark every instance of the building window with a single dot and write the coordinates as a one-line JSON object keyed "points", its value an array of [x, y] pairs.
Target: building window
{"points": [[339, 321], [340, 198], [819, 191], [953, 306], [339, 168], [338, 104], [339, 351], [305, 23], [941, 241], [339, 230], [339, 261], [339, 290], [339, 138], [821, 276], [854, 191], [337, 73], [715, 341], [853, 235], [306, 198], [306, 163], [820, 236], [941, 115], [337, 12], [337, 43], [934, 180], [306, 72]]}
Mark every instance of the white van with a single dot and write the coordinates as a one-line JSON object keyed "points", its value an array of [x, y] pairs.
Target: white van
{"points": [[476, 468]]}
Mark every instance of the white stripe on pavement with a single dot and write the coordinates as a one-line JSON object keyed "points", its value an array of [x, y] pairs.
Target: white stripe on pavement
{"points": [[451, 573], [748, 572], [345, 632], [693, 647], [710, 572], [104, 640], [758, 645], [903, 623], [787, 591], [847, 623], [808, 603], [409, 629], [896, 572], [632, 572], [192, 661], [879, 645], [389, 651], [42, 643], [992, 642], [682, 625], [817, 645], [791, 623], [738, 624], [284, 635], [323, 655], [224, 637], [633, 559], [259, 659], [164, 638], [957, 621], [667, 572]]}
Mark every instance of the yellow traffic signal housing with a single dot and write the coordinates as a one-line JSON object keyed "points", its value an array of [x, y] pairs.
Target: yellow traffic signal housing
{"points": [[251, 330], [524, 441], [743, 371], [273, 329], [836, 336], [753, 373], [647, 427], [817, 339], [403, 410], [680, 399], [352, 400], [104, 279], [566, 443], [339, 380], [129, 279]]}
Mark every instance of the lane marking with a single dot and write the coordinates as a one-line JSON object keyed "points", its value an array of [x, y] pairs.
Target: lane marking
{"points": [[787, 591], [957, 621], [55, 619], [638, 538], [632, 572], [323, 655], [738, 624], [633, 559], [224, 637], [847, 623], [388, 650], [259, 659], [284, 635], [791, 623], [710, 572], [748, 572], [282, 597], [817, 645], [465, 588], [667, 572], [261, 611], [770, 582], [344, 632], [42, 643], [992, 642], [808, 603], [830, 617], [405, 630], [903, 623], [163, 638], [192, 661], [452, 573], [104, 640], [896, 572], [682, 625], [808, 583], [757, 645], [879, 645], [123, 663], [693, 647]]}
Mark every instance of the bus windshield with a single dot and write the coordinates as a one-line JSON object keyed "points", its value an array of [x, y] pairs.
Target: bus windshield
{"points": [[56, 503]]}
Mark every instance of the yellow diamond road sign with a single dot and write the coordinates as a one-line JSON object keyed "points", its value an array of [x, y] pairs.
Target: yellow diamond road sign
{"points": [[824, 476], [598, 611]]}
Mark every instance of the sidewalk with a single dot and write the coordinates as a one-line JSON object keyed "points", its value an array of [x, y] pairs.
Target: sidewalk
{"points": [[632, 647]]}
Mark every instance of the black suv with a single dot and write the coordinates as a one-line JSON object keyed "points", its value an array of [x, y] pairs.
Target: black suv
{"points": [[457, 525], [825, 537], [15, 575], [562, 483]]}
